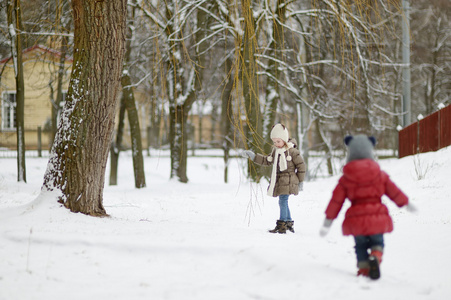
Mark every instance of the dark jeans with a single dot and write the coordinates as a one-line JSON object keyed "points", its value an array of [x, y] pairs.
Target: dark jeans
{"points": [[363, 243]]}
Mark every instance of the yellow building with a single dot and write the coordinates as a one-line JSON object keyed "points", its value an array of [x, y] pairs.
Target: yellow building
{"points": [[41, 65]]}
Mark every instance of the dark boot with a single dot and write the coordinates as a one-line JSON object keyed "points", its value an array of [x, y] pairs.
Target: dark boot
{"points": [[375, 260], [374, 271], [290, 226], [281, 227]]}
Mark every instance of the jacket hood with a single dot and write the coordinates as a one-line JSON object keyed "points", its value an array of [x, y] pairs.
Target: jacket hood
{"points": [[362, 170], [293, 141]]}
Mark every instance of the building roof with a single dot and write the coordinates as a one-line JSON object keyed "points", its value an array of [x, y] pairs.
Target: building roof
{"points": [[37, 51]]}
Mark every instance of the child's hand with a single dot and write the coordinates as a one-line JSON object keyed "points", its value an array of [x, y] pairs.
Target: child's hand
{"points": [[325, 228], [301, 186], [248, 154]]}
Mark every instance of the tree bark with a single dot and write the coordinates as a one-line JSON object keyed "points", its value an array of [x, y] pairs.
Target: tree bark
{"points": [[77, 164], [178, 112], [15, 29], [177, 132]]}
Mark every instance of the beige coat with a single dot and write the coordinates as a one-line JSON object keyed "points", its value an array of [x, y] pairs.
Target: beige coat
{"points": [[287, 182]]}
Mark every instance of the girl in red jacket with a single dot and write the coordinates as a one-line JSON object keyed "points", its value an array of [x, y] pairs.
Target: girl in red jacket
{"points": [[364, 183]]}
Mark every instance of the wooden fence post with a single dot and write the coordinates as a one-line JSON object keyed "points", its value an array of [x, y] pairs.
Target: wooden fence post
{"points": [[39, 141]]}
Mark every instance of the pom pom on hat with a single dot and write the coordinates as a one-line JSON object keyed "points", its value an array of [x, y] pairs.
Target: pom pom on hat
{"points": [[280, 131]]}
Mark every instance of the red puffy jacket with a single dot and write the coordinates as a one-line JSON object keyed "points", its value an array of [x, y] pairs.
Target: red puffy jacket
{"points": [[364, 183]]}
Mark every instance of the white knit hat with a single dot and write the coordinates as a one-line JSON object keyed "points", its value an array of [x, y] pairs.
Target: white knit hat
{"points": [[280, 131]]}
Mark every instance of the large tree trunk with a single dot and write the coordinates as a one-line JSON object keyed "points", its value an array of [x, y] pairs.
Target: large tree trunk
{"points": [[15, 29], [77, 164]]}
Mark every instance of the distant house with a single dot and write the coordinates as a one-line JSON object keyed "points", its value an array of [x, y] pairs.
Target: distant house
{"points": [[41, 66]]}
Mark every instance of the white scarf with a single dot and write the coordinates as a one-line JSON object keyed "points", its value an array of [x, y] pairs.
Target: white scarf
{"points": [[282, 162]]}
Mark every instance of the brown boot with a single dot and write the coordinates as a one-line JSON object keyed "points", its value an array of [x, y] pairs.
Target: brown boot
{"points": [[281, 227], [290, 226]]}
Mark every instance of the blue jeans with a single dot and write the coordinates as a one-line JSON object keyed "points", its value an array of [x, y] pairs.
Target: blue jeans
{"points": [[284, 210], [363, 243]]}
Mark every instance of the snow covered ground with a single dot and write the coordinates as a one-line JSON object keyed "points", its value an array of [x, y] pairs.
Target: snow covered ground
{"points": [[209, 240]]}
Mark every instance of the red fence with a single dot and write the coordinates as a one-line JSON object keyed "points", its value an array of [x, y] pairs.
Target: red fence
{"points": [[429, 134]]}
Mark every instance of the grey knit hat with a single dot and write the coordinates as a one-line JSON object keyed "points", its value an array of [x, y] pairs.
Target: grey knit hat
{"points": [[360, 147]]}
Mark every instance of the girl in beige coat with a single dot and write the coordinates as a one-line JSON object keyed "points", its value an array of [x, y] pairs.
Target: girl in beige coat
{"points": [[287, 176]]}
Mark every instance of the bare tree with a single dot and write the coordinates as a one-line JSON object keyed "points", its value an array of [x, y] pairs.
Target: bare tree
{"points": [[182, 67], [15, 28], [431, 55], [128, 104], [76, 167], [227, 115]]}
